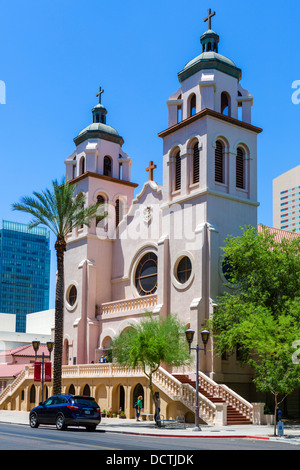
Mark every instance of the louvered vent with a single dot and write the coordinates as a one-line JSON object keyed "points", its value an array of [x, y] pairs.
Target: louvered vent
{"points": [[178, 172], [196, 164], [240, 176], [219, 162]]}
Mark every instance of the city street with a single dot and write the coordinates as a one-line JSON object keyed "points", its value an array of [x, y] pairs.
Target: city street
{"points": [[20, 437]]}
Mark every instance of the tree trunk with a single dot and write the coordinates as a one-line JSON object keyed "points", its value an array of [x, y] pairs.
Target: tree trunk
{"points": [[157, 410], [60, 247], [275, 413]]}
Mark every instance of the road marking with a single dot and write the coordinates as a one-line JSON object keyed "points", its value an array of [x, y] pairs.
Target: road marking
{"points": [[78, 444]]}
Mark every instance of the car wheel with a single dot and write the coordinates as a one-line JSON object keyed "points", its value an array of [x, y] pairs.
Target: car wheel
{"points": [[33, 421], [91, 427], [60, 422]]}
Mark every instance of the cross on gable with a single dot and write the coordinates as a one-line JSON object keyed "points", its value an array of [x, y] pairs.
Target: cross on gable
{"points": [[209, 17], [99, 94], [150, 168]]}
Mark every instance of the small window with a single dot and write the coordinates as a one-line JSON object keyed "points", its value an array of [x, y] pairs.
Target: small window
{"points": [[119, 211], [219, 162], [240, 169], [82, 165], [100, 220], [107, 166], [72, 296], [225, 104], [184, 270], [193, 105], [179, 111], [177, 172]]}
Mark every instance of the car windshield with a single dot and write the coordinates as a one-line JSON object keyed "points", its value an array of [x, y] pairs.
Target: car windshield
{"points": [[87, 401]]}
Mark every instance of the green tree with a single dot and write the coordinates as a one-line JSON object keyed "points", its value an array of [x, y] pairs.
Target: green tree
{"points": [[153, 342], [260, 314], [61, 210]]}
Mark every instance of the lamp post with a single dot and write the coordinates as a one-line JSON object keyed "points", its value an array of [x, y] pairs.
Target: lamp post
{"points": [[189, 333], [36, 345]]}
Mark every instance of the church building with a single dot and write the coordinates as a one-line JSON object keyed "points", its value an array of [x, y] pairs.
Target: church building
{"points": [[159, 247]]}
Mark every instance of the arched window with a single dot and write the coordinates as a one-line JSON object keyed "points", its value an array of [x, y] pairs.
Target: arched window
{"points": [[240, 168], [146, 275], [219, 162], [196, 168], [225, 104], [177, 185], [119, 211], [179, 111], [82, 165], [192, 109], [74, 168], [107, 165], [101, 213]]}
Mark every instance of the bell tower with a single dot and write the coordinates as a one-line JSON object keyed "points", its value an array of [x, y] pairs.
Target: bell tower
{"points": [[100, 169], [209, 165]]}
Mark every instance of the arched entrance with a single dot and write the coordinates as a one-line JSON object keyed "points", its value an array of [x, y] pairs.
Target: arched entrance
{"points": [[138, 391], [122, 398], [86, 390]]}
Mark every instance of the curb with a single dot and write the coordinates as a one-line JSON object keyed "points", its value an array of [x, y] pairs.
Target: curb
{"points": [[184, 436]]}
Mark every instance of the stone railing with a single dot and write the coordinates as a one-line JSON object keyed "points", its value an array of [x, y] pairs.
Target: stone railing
{"points": [[127, 305], [235, 400], [9, 390], [184, 393], [228, 395], [101, 370]]}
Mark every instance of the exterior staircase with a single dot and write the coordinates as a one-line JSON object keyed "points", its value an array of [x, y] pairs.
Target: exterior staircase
{"points": [[234, 414]]}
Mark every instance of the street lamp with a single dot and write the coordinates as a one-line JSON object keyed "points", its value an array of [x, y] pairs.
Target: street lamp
{"points": [[36, 345], [50, 345], [189, 334]]}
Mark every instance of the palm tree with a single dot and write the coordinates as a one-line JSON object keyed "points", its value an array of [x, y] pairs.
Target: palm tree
{"points": [[60, 210]]}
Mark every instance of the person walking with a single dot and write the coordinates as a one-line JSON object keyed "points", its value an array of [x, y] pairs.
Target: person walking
{"points": [[139, 406]]}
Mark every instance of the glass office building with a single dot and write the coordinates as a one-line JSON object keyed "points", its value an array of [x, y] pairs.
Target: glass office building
{"points": [[24, 270]]}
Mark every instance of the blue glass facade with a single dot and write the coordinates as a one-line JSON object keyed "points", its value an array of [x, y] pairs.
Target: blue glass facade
{"points": [[24, 270]]}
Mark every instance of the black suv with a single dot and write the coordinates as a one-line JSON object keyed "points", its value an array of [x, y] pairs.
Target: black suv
{"points": [[67, 410]]}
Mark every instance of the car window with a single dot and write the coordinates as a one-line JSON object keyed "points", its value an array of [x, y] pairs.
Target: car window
{"points": [[50, 401], [86, 401]]}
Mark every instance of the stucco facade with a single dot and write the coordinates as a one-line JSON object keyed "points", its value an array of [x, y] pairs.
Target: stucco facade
{"points": [[175, 230]]}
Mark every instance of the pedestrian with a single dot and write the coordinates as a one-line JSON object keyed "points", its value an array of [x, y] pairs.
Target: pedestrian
{"points": [[139, 406]]}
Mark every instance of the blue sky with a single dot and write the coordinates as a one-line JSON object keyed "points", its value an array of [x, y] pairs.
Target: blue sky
{"points": [[55, 55]]}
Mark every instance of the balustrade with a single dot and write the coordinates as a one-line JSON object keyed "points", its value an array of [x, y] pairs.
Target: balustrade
{"points": [[126, 305]]}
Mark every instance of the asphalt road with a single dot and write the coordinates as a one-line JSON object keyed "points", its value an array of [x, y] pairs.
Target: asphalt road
{"points": [[20, 437]]}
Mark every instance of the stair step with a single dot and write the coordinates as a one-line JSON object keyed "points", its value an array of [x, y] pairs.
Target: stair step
{"points": [[233, 415]]}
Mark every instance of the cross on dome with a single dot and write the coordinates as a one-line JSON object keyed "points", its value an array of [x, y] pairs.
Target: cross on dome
{"points": [[209, 17], [99, 94]]}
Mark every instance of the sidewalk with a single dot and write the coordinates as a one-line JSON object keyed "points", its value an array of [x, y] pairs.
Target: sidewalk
{"points": [[148, 428]]}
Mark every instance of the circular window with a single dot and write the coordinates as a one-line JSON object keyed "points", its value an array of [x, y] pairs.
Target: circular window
{"points": [[227, 269], [146, 275], [72, 295], [184, 270]]}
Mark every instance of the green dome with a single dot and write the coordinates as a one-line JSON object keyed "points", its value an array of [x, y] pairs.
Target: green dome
{"points": [[209, 56], [98, 130], [209, 59]]}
